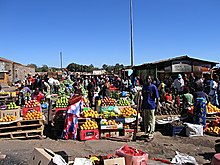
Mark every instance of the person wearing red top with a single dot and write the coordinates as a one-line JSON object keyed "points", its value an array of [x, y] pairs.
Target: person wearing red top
{"points": [[168, 96], [37, 95]]}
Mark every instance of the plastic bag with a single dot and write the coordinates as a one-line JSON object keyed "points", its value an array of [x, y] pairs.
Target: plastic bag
{"points": [[57, 159], [181, 158], [194, 130]]}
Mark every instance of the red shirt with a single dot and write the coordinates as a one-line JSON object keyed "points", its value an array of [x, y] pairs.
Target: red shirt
{"points": [[168, 97], [38, 97]]}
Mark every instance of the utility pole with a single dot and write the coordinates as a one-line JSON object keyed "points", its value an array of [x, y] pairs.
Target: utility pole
{"points": [[61, 60], [131, 28]]}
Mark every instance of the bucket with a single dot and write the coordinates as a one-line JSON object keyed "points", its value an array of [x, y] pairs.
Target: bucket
{"points": [[216, 159]]}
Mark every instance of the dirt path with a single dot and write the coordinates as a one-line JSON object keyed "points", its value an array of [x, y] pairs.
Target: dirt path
{"points": [[202, 148]]}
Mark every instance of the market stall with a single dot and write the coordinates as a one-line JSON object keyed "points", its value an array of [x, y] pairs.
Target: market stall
{"points": [[17, 123]]}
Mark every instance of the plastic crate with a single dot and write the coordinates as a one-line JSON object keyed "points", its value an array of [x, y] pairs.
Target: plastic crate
{"points": [[25, 110], [174, 130], [89, 134], [60, 109]]}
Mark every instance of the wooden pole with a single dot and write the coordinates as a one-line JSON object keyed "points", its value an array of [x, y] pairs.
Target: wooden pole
{"points": [[138, 111]]}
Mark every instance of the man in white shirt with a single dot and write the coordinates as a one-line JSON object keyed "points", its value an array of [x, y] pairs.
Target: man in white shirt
{"points": [[179, 83]]}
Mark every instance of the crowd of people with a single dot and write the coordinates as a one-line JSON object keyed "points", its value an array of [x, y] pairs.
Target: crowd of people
{"points": [[167, 95], [180, 94]]}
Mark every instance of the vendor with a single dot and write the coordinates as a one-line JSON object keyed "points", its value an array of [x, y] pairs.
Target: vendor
{"points": [[24, 94], [37, 95]]}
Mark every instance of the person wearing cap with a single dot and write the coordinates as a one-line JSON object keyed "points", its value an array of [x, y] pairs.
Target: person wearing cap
{"points": [[178, 83]]}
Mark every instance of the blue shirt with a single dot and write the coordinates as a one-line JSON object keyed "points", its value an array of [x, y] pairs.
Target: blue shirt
{"points": [[149, 93]]}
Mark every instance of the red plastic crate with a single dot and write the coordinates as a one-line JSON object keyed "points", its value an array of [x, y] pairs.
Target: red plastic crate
{"points": [[25, 110], [60, 109], [89, 134]]}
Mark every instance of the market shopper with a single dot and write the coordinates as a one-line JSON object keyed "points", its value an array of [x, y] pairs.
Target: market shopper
{"points": [[200, 102], [187, 100], [37, 95], [213, 91], [149, 105], [91, 89]]}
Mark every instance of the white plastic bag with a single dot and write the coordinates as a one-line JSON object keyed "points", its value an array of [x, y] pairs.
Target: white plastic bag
{"points": [[82, 161], [181, 158], [194, 130], [57, 159]]}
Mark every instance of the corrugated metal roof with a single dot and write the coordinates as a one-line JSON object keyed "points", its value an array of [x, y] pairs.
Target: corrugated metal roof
{"points": [[8, 61], [5, 60], [177, 58]]}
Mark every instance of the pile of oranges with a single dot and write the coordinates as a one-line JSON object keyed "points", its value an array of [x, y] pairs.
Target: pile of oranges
{"points": [[89, 125], [126, 126], [212, 109], [128, 112], [33, 115], [90, 113], [109, 122], [8, 118]]}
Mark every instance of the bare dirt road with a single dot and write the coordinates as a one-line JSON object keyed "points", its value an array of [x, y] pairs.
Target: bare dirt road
{"points": [[202, 148]]}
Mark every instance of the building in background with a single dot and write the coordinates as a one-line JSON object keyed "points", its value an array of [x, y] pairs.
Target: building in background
{"points": [[11, 71], [174, 66]]}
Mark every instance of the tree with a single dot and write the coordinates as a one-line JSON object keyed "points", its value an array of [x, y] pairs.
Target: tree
{"points": [[104, 66], [71, 67], [32, 66], [44, 68], [91, 68]]}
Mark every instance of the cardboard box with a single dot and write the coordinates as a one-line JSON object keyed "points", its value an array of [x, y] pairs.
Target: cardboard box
{"points": [[15, 112], [41, 156], [116, 161], [133, 160], [119, 126]]}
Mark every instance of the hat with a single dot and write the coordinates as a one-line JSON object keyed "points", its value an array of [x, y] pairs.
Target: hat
{"points": [[179, 76]]}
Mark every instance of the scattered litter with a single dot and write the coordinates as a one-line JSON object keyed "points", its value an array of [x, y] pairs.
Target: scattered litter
{"points": [[2, 157], [57, 159], [181, 158]]}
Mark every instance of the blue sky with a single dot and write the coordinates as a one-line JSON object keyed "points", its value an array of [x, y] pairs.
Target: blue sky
{"points": [[97, 31]]}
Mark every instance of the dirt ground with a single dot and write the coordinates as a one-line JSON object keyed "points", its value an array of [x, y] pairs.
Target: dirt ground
{"points": [[202, 148]]}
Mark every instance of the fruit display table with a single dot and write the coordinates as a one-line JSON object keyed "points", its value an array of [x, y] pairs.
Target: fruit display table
{"points": [[11, 112]]}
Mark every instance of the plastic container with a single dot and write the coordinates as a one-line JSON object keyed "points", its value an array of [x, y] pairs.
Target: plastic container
{"points": [[133, 160], [174, 130], [89, 134], [25, 110], [216, 159]]}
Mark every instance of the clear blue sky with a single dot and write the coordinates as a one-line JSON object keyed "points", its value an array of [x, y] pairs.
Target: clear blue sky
{"points": [[97, 31]]}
